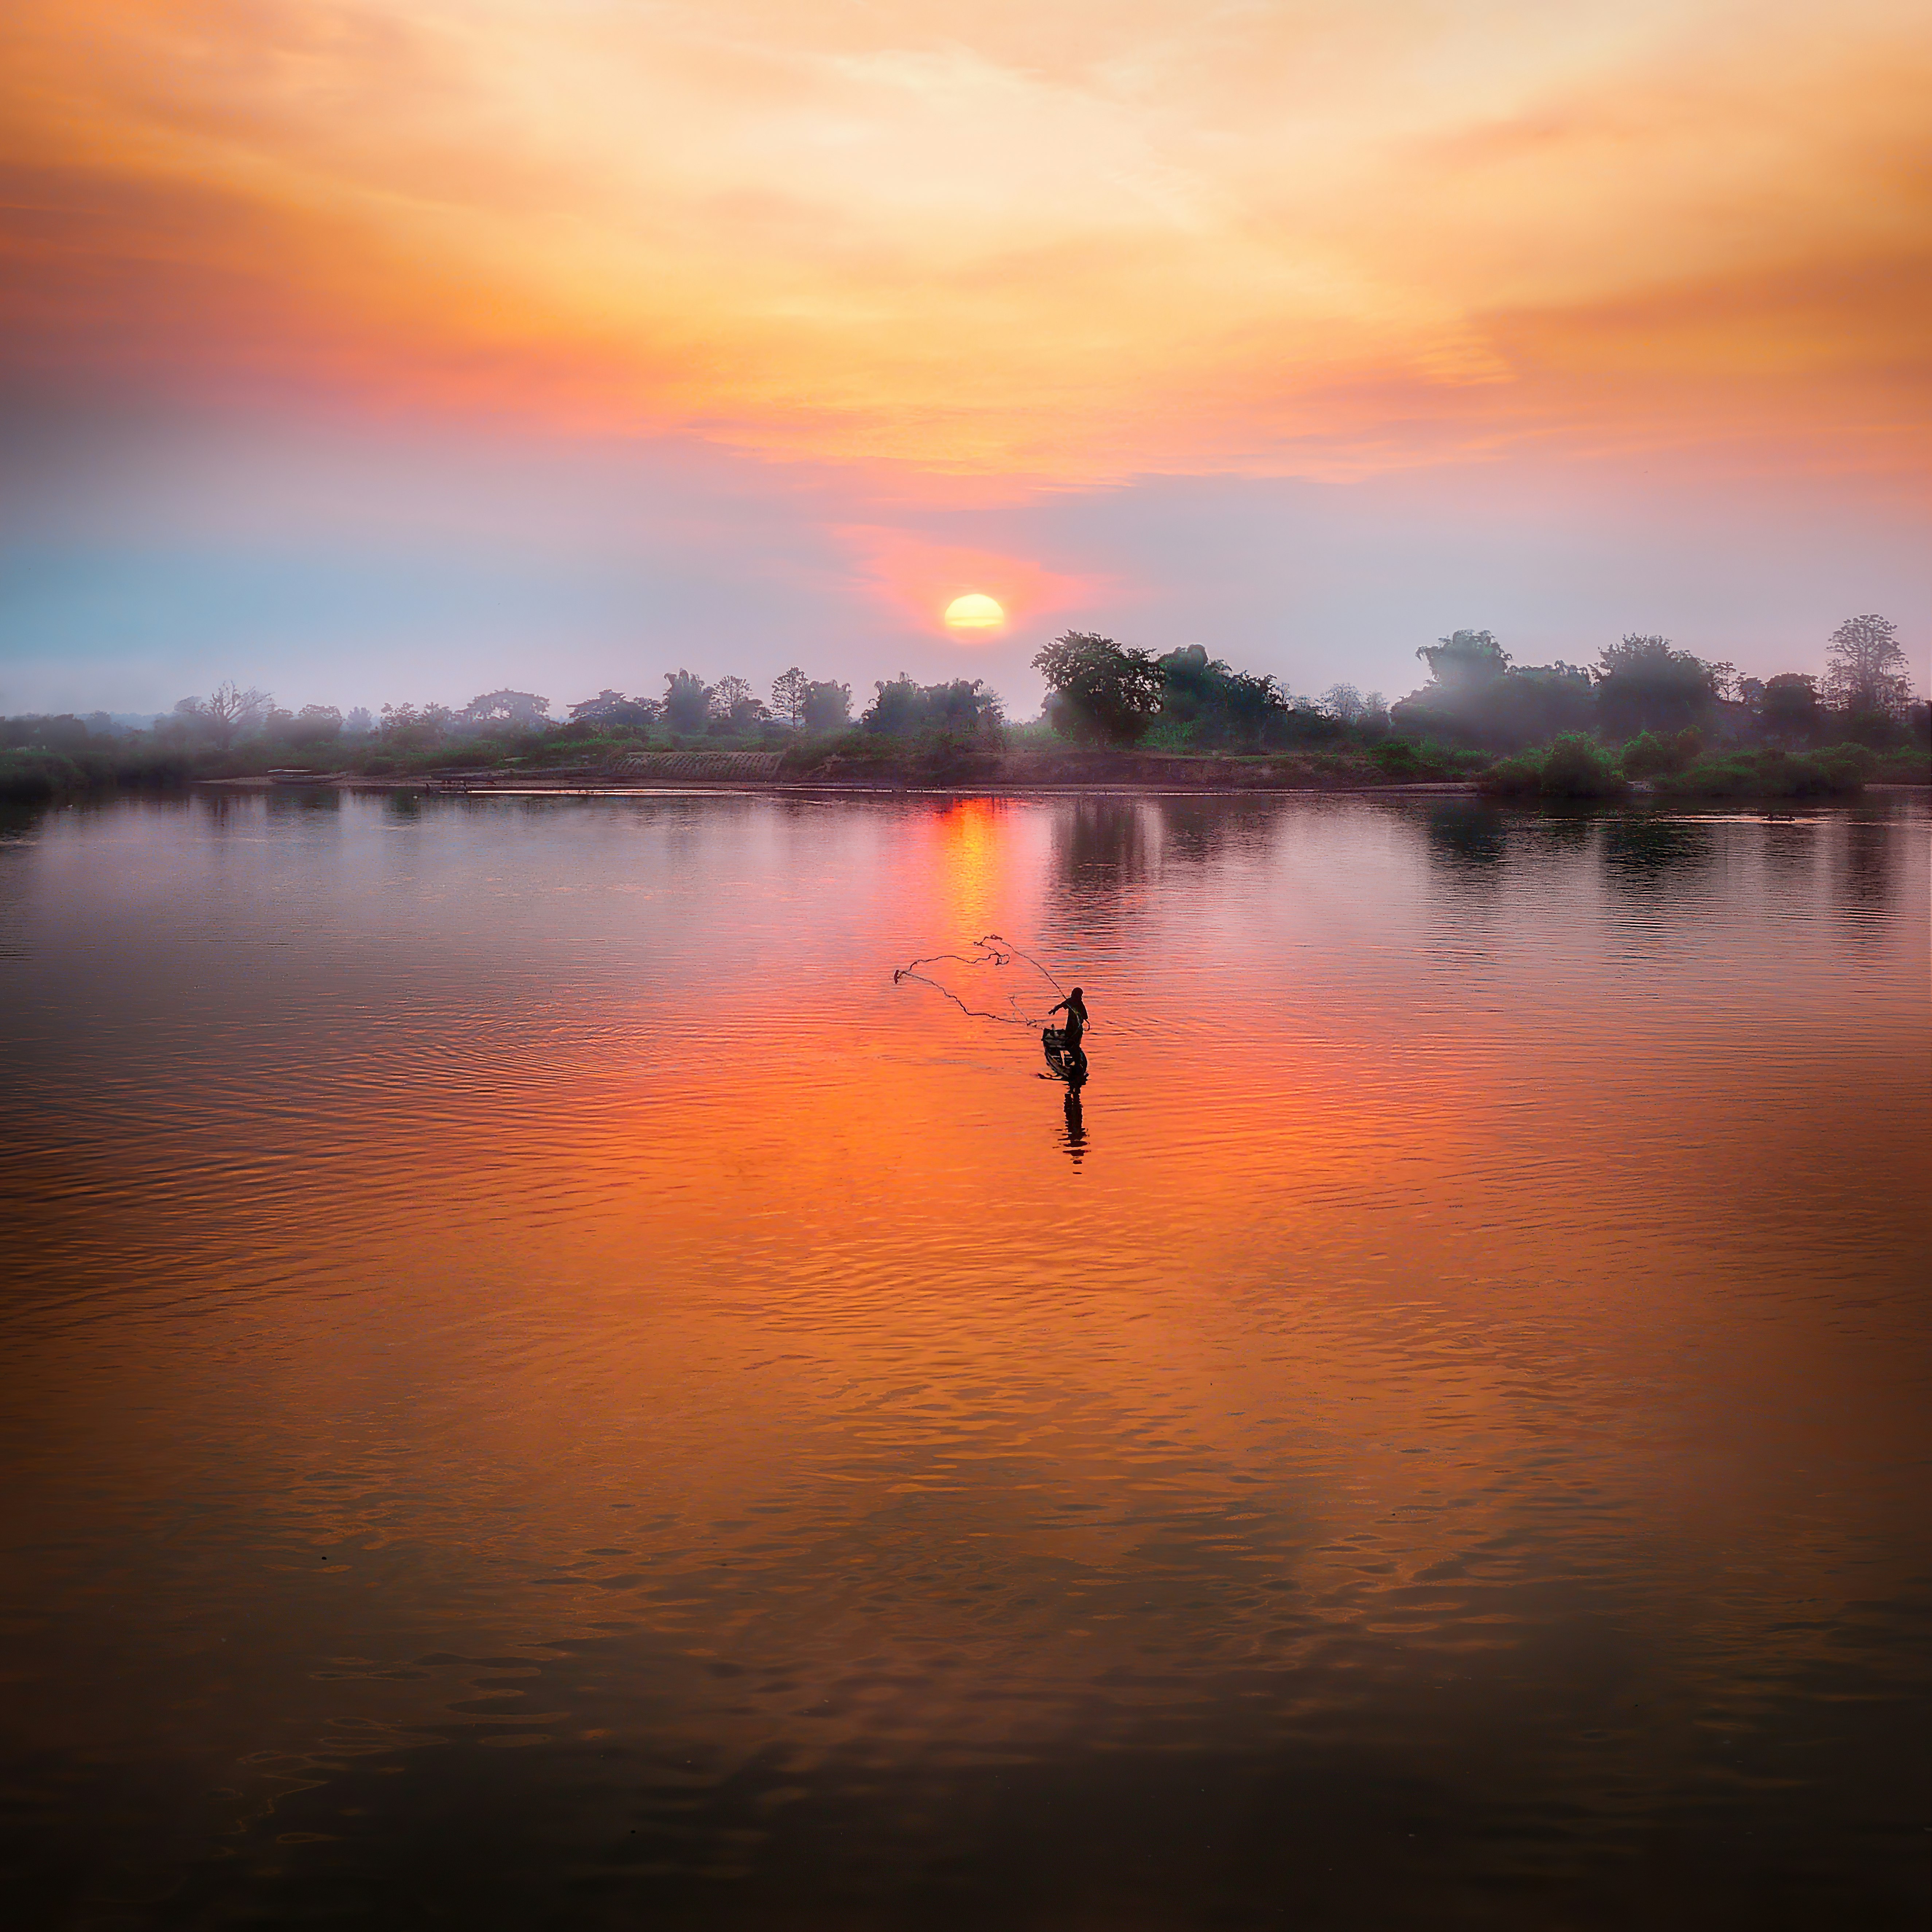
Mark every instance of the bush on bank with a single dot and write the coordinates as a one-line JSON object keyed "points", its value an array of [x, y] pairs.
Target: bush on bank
{"points": [[1839, 772], [29, 774], [1572, 766], [1577, 767]]}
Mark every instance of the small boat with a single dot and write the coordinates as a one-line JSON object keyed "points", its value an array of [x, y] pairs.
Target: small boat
{"points": [[1066, 1058]]}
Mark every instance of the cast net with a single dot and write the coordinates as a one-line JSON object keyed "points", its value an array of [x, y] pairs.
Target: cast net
{"points": [[988, 979]]}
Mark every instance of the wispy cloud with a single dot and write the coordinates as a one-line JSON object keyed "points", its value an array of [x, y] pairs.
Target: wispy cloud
{"points": [[1126, 239]]}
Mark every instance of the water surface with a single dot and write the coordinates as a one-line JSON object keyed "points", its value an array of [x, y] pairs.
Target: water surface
{"points": [[544, 1389]]}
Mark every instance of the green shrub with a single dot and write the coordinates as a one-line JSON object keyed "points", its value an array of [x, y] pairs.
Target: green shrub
{"points": [[27, 777], [146, 765], [1519, 777], [1839, 772], [31, 774], [1648, 755], [1397, 757], [851, 746], [1574, 765], [1912, 766], [1411, 760]]}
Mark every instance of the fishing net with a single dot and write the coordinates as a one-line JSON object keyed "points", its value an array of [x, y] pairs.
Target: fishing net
{"points": [[990, 978]]}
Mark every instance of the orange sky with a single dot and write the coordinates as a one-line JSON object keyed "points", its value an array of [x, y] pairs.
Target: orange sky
{"points": [[1572, 318], [1061, 243]]}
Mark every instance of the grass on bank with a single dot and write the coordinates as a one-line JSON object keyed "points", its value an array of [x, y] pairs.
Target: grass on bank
{"points": [[938, 756], [1576, 766], [1839, 772]]}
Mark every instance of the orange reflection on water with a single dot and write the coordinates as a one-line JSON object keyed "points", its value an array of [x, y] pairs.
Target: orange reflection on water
{"points": [[1467, 1323], [970, 852]]}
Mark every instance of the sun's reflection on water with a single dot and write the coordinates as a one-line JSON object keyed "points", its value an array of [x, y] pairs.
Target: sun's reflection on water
{"points": [[1453, 1323]]}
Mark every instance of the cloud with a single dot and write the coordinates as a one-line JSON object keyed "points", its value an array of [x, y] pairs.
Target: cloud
{"points": [[411, 335], [1130, 239]]}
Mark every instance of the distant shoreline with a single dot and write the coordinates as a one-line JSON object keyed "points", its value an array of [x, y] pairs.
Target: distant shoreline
{"points": [[1071, 788], [532, 786]]}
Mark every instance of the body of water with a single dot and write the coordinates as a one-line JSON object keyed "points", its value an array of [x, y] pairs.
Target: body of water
{"points": [[544, 1388]]}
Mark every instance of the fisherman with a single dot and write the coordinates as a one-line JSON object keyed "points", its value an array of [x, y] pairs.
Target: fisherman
{"points": [[1075, 1007]]}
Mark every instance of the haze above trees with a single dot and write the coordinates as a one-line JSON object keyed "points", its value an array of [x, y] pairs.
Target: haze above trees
{"points": [[1650, 707]]}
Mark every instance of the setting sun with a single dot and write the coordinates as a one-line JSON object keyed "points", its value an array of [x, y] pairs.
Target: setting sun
{"points": [[974, 612]]}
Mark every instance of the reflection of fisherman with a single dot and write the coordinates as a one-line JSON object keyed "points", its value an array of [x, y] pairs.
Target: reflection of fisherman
{"points": [[1076, 1127], [1072, 1055]]}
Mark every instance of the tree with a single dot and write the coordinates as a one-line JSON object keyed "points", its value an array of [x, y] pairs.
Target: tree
{"points": [[1540, 702], [687, 701], [613, 707], [1465, 657], [1214, 704], [1099, 691], [226, 711], [734, 707], [315, 725], [1644, 685], [966, 704], [1867, 669], [358, 724], [1788, 708], [902, 707], [827, 706], [1347, 706], [790, 690], [409, 729], [63, 732], [1475, 695], [897, 708], [524, 708]]}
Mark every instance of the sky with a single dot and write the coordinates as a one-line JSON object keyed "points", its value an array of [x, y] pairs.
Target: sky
{"points": [[396, 350]]}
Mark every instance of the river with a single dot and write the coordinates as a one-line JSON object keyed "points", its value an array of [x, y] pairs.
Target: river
{"points": [[545, 1388]]}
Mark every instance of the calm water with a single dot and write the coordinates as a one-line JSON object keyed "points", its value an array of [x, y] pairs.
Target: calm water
{"points": [[543, 1389]]}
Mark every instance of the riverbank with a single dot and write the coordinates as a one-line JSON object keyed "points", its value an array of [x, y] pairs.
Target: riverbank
{"points": [[852, 767], [989, 772], [542, 785]]}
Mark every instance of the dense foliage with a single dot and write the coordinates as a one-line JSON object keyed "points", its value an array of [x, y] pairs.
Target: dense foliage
{"points": [[1476, 696], [1769, 771], [1099, 691], [1646, 716], [902, 709], [1572, 766]]}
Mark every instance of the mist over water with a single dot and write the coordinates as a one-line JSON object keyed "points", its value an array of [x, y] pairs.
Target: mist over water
{"points": [[544, 1389]]}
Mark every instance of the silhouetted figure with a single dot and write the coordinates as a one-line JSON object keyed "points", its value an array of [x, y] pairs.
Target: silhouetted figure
{"points": [[1064, 1053]]}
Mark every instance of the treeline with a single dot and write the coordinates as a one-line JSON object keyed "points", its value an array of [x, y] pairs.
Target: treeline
{"points": [[1645, 712], [1478, 698], [236, 730]]}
